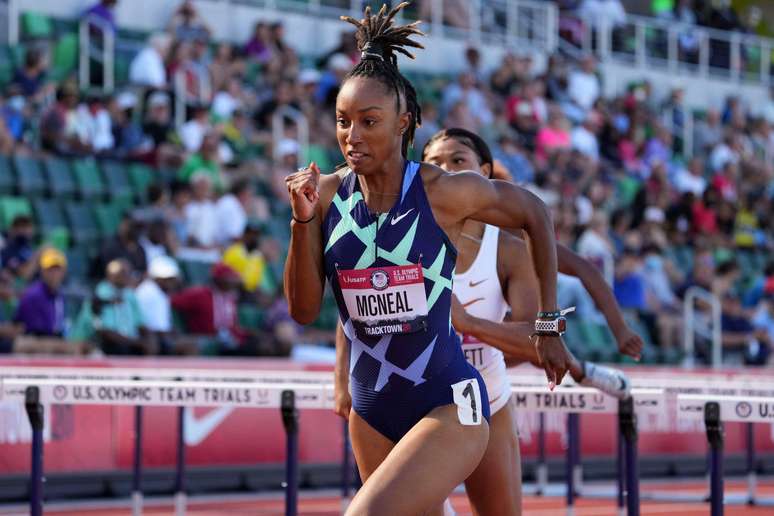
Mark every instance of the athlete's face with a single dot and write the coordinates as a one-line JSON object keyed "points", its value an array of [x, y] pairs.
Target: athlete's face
{"points": [[368, 127], [453, 156]]}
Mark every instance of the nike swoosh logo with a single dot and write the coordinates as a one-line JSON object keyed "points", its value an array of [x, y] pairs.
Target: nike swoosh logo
{"points": [[398, 218], [472, 284], [465, 305], [197, 430]]}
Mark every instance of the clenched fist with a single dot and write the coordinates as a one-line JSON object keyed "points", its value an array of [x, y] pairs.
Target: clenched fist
{"points": [[304, 192]]}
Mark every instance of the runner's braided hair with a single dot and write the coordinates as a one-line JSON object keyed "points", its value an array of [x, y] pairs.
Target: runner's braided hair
{"points": [[379, 42]]}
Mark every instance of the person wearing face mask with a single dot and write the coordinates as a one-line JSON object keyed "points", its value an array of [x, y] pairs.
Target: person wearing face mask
{"points": [[19, 256], [245, 257]]}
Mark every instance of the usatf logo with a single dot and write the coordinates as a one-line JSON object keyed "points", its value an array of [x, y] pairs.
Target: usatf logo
{"points": [[60, 392], [743, 409]]}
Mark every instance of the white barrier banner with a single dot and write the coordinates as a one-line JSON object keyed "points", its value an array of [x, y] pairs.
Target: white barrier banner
{"points": [[188, 394], [732, 408]]}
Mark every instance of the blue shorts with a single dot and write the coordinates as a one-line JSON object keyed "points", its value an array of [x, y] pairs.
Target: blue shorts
{"points": [[395, 410]]}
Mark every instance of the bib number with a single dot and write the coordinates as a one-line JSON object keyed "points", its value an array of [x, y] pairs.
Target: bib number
{"points": [[467, 397], [385, 300]]}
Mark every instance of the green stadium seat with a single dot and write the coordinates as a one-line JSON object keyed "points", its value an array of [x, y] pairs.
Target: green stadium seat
{"points": [[88, 178], [117, 181], [49, 214], [65, 57], [36, 26], [29, 175], [61, 182], [11, 207], [18, 53], [141, 176], [6, 66], [196, 272], [598, 341], [7, 177], [77, 265], [83, 225], [108, 218]]}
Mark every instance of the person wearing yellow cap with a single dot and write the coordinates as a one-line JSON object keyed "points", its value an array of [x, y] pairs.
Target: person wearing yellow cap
{"points": [[41, 308]]}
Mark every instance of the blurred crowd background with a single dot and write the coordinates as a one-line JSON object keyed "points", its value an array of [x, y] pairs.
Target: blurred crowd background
{"points": [[154, 219]]}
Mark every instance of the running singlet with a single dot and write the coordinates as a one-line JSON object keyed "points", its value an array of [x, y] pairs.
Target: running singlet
{"points": [[392, 279], [480, 292]]}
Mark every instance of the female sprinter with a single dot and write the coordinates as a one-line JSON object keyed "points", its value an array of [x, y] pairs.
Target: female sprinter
{"points": [[493, 279], [380, 231]]}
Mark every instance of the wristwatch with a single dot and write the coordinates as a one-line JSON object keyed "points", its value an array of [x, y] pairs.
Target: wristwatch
{"points": [[552, 324]]}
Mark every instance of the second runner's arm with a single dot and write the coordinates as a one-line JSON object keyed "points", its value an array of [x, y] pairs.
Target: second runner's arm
{"points": [[629, 343]]}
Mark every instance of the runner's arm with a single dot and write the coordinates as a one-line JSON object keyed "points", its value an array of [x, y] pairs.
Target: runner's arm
{"points": [[304, 273], [629, 343]]}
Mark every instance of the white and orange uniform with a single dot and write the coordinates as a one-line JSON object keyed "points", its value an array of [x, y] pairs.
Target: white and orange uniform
{"points": [[480, 292]]}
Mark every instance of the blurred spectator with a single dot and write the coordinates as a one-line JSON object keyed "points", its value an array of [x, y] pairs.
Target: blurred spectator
{"points": [[456, 13], [18, 255], [224, 66], [691, 179], [257, 47], [288, 154], [201, 215], [211, 310], [175, 213], [594, 244], [709, 131], [429, 126], [552, 137], [245, 257], [104, 11], [192, 133], [32, 77], [466, 91], [94, 126], [599, 13], [147, 67], [204, 162], [583, 84], [228, 99], [153, 297], [527, 109], [158, 239], [187, 25], [584, 137], [9, 330], [231, 211], [629, 285], [41, 307], [125, 246], [284, 95], [117, 317], [58, 124], [514, 157]]}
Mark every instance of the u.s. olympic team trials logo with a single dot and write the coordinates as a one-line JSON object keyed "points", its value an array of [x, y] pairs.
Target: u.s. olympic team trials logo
{"points": [[743, 409], [380, 280]]}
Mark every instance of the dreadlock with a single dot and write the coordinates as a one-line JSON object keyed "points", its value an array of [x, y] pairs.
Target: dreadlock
{"points": [[379, 42]]}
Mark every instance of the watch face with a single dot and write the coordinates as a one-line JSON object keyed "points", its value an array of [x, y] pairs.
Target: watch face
{"points": [[561, 324]]}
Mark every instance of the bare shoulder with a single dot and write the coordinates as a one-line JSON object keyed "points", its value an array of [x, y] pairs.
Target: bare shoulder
{"points": [[454, 192]]}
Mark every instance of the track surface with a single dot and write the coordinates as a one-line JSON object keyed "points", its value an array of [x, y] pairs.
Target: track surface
{"points": [[313, 504]]}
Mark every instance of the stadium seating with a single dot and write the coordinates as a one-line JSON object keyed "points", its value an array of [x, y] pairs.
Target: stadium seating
{"points": [[29, 176], [83, 225], [117, 181], [11, 207], [88, 178], [61, 182]]}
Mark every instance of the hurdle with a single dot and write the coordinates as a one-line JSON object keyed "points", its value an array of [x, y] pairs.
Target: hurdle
{"points": [[714, 411], [287, 397], [315, 390]]}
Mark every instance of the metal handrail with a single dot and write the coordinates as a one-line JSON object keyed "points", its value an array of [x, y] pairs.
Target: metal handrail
{"points": [[689, 330], [642, 24], [107, 56], [278, 130]]}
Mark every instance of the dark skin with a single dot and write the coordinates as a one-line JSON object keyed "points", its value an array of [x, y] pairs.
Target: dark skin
{"points": [[369, 131]]}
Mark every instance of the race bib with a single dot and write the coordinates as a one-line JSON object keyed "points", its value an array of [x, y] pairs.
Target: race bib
{"points": [[385, 300], [467, 397]]}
